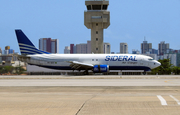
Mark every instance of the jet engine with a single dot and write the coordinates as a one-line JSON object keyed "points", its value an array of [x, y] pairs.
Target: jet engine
{"points": [[101, 68]]}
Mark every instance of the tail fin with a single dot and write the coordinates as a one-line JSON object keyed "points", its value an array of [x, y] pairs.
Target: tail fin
{"points": [[26, 46]]}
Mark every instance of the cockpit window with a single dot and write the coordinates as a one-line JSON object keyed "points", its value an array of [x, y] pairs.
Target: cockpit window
{"points": [[150, 59]]}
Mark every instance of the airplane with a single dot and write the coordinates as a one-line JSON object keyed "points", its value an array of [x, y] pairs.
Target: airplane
{"points": [[97, 63]]}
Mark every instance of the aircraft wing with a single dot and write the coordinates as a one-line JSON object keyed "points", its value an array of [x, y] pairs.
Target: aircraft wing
{"points": [[77, 65]]}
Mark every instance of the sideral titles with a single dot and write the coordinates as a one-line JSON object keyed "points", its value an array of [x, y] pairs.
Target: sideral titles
{"points": [[120, 58]]}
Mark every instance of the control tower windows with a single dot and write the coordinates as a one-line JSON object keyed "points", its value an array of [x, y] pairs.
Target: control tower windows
{"points": [[96, 32], [104, 7], [96, 7], [89, 7]]}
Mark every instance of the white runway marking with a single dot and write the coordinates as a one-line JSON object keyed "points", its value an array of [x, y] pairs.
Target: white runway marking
{"points": [[178, 102], [163, 101]]}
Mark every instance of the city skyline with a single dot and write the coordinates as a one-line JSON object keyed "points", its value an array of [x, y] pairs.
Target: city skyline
{"points": [[151, 50], [130, 22], [85, 48], [49, 45], [7, 50]]}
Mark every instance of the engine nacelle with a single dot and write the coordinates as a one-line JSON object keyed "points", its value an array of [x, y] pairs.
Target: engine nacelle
{"points": [[101, 68]]}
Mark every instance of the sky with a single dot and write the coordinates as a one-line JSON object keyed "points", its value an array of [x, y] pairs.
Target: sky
{"points": [[131, 22]]}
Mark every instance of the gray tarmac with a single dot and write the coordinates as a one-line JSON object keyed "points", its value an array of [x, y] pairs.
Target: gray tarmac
{"points": [[90, 82], [87, 96], [92, 77]]}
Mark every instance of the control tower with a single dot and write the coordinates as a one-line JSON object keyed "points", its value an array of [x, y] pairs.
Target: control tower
{"points": [[97, 18]]}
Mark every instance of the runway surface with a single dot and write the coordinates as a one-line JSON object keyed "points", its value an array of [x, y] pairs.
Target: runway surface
{"points": [[92, 77], [91, 82], [90, 96], [89, 100]]}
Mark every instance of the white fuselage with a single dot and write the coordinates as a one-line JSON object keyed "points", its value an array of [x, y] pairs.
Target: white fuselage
{"points": [[115, 61]]}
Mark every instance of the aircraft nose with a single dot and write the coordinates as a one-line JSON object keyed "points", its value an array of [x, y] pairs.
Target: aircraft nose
{"points": [[158, 64]]}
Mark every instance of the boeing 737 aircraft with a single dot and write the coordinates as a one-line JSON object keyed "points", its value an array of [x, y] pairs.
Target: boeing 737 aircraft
{"points": [[98, 63]]}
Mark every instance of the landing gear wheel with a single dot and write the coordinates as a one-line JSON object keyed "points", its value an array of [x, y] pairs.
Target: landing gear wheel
{"points": [[86, 72], [144, 73]]}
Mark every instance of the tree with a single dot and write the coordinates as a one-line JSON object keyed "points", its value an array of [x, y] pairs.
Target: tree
{"points": [[176, 70], [164, 69], [8, 69], [1, 71], [19, 70]]}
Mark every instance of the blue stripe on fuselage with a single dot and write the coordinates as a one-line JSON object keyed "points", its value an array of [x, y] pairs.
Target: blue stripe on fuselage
{"points": [[110, 67]]}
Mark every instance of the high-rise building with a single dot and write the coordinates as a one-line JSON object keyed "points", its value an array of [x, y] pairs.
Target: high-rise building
{"points": [[7, 47], [163, 48], [146, 47], [172, 57], [97, 18], [89, 47], [81, 48], [49, 45], [67, 50], [71, 48], [54, 46], [0, 51], [86, 48], [45, 44], [135, 52], [6, 52], [74, 50], [154, 51], [123, 48], [178, 59], [11, 51], [107, 48]]}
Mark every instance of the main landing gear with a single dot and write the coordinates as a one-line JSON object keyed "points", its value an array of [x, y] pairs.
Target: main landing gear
{"points": [[86, 72], [144, 73]]}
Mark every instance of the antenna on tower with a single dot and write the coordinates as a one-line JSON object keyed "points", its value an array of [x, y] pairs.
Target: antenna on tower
{"points": [[144, 38]]}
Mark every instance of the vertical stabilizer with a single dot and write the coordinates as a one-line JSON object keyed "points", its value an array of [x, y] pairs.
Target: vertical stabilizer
{"points": [[26, 46]]}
